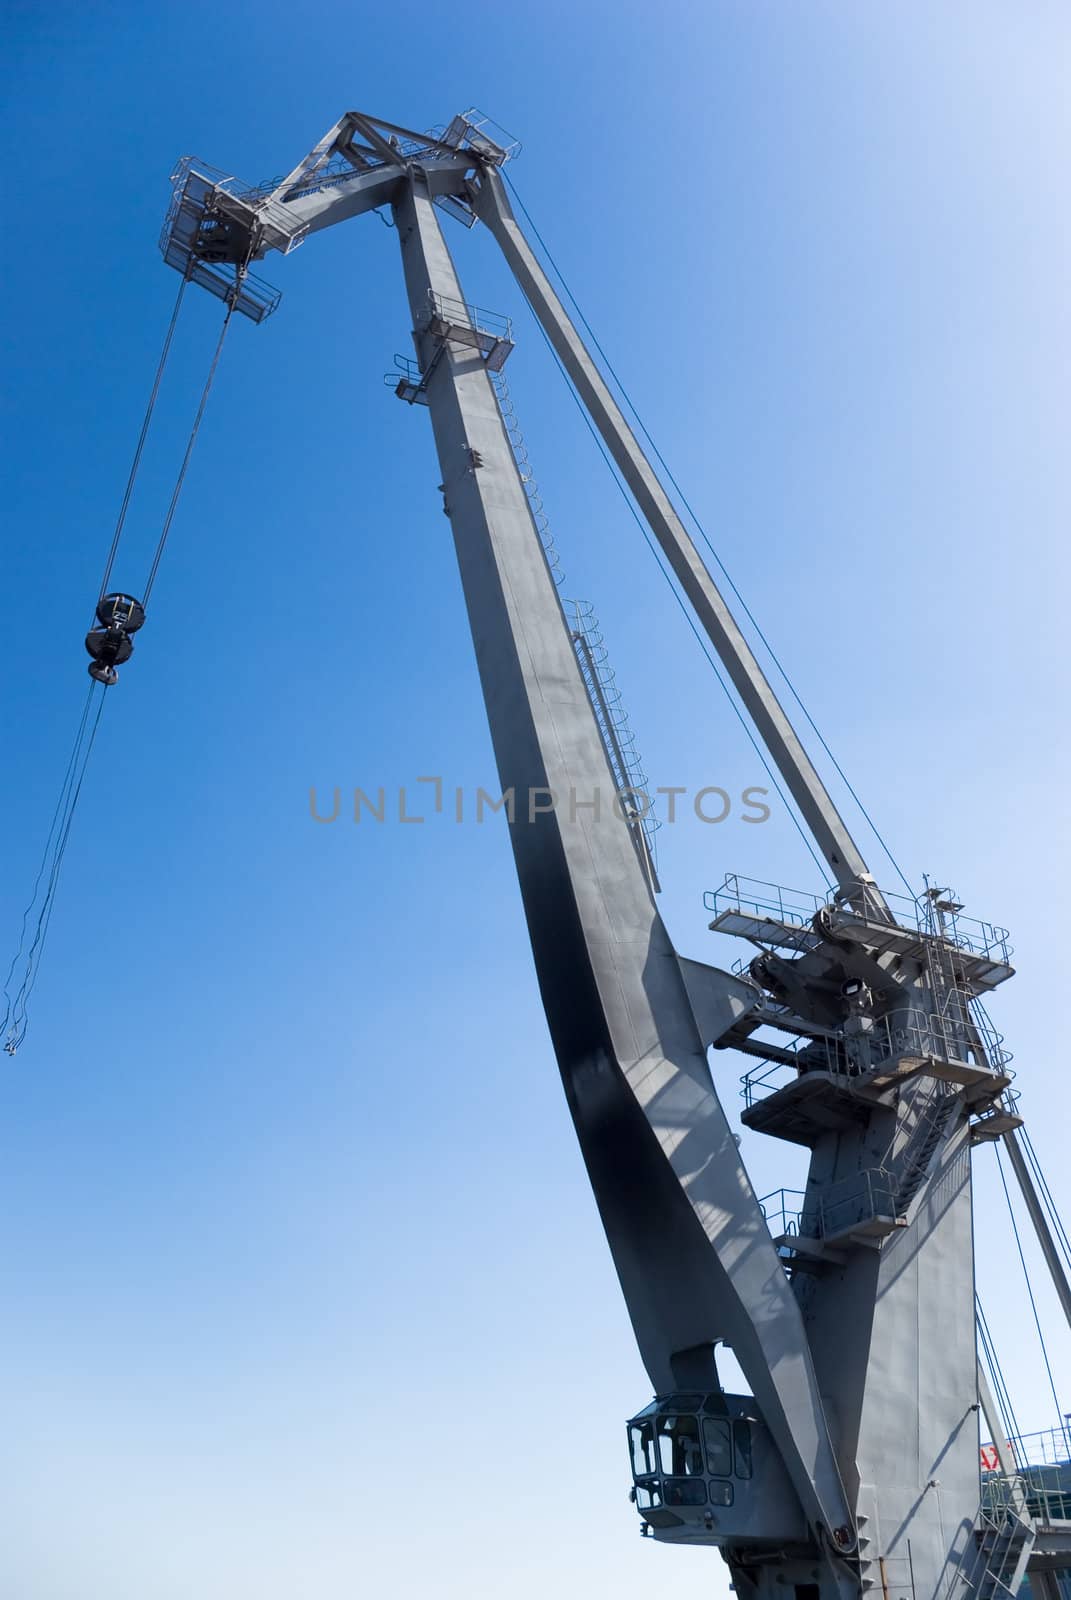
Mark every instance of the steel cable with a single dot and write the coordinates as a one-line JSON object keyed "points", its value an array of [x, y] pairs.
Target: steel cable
{"points": [[142, 436], [1029, 1285], [192, 440], [16, 1019], [701, 641], [707, 540]]}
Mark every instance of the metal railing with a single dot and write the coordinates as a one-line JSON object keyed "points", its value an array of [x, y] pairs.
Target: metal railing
{"points": [[461, 314], [1043, 1492], [850, 1061], [510, 422], [619, 741], [792, 906], [783, 1209], [1047, 1448], [902, 1035], [921, 916], [1040, 1483], [855, 1201]]}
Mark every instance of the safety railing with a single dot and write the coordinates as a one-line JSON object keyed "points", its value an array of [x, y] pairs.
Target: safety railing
{"points": [[926, 916], [856, 1201], [794, 907], [905, 1035], [472, 130], [767, 1079], [783, 1209], [333, 172], [1051, 1447], [510, 422], [1044, 1492], [462, 314], [619, 741]]}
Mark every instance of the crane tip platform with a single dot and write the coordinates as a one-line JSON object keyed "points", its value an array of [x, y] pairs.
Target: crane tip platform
{"points": [[214, 226]]}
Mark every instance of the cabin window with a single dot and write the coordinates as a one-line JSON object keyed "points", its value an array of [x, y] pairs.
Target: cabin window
{"points": [[680, 1454], [742, 1448], [642, 1440], [685, 1492], [719, 1446], [721, 1494], [648, 1495]]}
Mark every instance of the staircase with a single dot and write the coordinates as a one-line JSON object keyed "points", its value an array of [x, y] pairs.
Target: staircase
{"points": [[1004, 1541], [929, 1132]]}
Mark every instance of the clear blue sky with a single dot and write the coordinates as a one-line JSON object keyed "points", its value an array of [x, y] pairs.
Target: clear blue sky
{"points": [[305, 1293]]}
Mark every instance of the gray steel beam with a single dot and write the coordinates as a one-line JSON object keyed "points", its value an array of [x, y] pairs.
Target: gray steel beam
{"points": [[353, 195], [792, 761], [1001, 1444], [689, 1240], [1040, 1221]]}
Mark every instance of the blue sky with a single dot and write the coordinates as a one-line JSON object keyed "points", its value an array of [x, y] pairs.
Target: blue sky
{"points": [[306, 1292]]}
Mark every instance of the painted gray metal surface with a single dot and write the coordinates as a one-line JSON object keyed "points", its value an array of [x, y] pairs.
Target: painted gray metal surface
{"points": [[892, 1331], [689, 1241]]}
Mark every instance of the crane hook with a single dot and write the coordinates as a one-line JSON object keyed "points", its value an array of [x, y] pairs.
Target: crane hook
{"points": [[110, 645]]}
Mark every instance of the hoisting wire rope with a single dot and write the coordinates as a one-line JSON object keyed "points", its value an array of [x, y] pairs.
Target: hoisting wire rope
{"points": [[142, 436], [701, 641], [1001, 1392], [1034, 1162], [1029, 1285], [15, 1015], [15, 1020], [708, 541], [45, 856], [232, 301]]}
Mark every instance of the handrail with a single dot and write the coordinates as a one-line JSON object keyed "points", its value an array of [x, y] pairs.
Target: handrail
{"points": [[797, 908]]}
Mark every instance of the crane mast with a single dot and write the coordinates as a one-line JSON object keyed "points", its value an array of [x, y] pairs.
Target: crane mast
{"points": [[853, 1464]]}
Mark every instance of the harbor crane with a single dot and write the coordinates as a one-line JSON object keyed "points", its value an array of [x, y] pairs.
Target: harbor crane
{"points": [[852, 1466]]}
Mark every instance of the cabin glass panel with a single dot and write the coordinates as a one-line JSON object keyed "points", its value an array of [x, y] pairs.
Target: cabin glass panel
{"points": [[680, 1453], [685, 1492], [642, 1441], [719, 1446]]}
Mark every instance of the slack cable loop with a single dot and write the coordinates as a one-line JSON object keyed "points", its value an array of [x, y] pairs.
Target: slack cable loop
{"points": [[17, 1020], [45, 855]]}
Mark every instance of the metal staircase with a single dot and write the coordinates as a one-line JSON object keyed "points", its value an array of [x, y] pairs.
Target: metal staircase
{"points": [[1004, 1541], [929, 1131]]}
